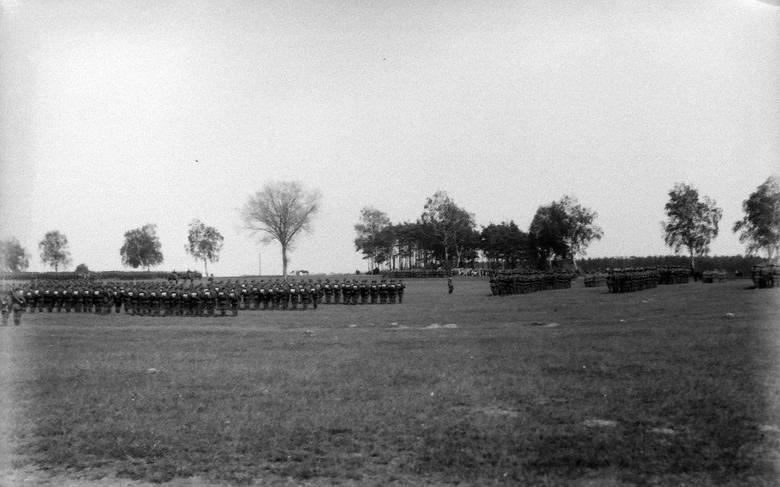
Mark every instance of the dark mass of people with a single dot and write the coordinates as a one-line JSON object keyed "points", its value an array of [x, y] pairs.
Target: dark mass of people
{"points": [[505, 283], [213, 298], [631, 279]]}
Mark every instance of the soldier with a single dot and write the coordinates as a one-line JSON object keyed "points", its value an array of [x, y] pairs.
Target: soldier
{"points": [[28, 293], [401, 286], [364, 291], [131, 301], [383, 292], [221, 300], [314, 291], [317, 292], [206, 301], [234, 296], [143, 301], [48, 302], [303, 292], [67, 304], [165, 301], [392, 291], [354, 292], [5, 305], [18, 305], [293, 295], [245, 296], [56, 296], [328, 291], [336, 292], [154, 301], [261, 295], [373, 291]]}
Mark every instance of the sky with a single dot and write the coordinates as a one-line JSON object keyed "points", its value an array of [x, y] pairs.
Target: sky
{"points": [[114, 114]]}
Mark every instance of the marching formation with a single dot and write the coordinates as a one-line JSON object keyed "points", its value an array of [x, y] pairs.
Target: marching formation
{"points": [[522, 282]]}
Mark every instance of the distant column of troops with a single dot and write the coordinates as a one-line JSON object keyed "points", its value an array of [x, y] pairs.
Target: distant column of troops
{"points": [[513, 282]]}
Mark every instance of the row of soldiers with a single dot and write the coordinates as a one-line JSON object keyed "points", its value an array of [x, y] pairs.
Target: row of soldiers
{"points": [[167, 299], [363, 291], [522, 282], [630, 279]]}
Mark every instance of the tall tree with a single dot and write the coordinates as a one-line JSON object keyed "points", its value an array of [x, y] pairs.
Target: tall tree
{"points": [[142, 247], [563, 229], [450, 225], [370, 229], [54, 250], [692, 222], [504, 245], [280, 211], [760, 227], [204, 243], [13, 257]]}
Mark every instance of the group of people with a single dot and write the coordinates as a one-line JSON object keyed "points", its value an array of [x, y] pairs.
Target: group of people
{"points": [[630, 279], [363, 291], [213, 298], [521, 282]]}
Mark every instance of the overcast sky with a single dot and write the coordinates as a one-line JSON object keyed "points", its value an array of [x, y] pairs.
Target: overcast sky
{"points": [[107, 105]]}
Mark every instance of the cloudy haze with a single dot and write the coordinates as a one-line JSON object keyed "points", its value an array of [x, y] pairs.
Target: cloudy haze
{"points": [[116, 114]]}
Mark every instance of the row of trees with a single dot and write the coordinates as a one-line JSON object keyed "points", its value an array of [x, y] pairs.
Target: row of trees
{"points": [[280, 211], [445, 234], [692, 221], [141, 248]]}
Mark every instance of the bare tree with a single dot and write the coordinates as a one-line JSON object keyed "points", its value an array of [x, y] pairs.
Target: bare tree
{"points": [[280, 211]]}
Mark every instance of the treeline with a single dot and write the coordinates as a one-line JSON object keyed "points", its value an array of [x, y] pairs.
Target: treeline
{"points": [[729, 263], [103, 275], [445, 236]]}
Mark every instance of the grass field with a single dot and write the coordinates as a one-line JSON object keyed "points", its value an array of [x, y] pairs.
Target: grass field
{"points": [[676, 385]]}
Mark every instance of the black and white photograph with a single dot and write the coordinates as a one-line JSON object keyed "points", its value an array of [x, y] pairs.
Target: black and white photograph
{"points": [[389, 243]]}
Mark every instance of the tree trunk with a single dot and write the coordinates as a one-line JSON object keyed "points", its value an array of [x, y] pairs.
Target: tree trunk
{"points": [[205, 268], [284, 261]]}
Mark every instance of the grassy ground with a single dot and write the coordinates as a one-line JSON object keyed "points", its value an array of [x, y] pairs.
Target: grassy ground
{"points": [[655, 387]]}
